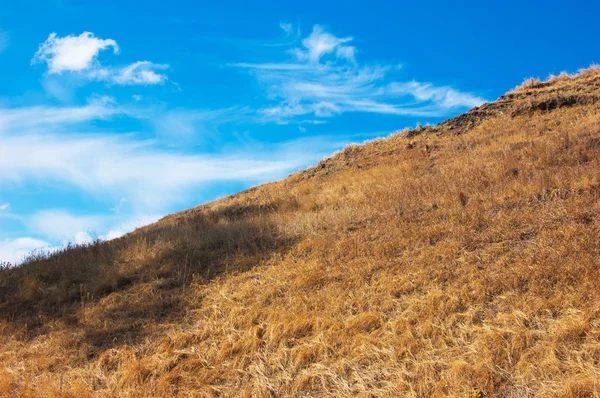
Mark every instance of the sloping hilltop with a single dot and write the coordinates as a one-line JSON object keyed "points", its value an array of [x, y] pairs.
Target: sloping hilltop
{"points": [[461, 259]]}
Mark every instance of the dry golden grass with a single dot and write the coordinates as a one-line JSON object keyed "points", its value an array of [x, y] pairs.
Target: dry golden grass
{"points": [[456, 260]]}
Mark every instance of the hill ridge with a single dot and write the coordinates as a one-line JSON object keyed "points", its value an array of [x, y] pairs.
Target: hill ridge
{"points": [[557, 92]]}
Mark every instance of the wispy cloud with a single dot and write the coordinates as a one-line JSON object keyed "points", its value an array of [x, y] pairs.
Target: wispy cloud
{"points": [[36, 118], [322, 77], [61, 224], [152, 177], [116, 166], [79, 54], [189, 124], [138, 73], [46, 146], [5, 206], [446, 97]]}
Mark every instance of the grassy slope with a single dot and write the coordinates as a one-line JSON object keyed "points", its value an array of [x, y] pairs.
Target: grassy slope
{"points": [[442, 261]]}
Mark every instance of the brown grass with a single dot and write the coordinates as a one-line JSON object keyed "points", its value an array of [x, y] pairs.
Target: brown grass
{"points": [[532, 82], [457, 260]]}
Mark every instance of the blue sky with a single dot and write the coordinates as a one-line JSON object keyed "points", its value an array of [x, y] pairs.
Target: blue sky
{"points": [[115, 113]]}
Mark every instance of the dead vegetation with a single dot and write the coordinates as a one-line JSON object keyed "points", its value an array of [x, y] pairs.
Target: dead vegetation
{"points": [[457, 260]]}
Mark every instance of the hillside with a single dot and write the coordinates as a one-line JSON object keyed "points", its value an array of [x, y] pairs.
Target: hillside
{"points": [[461, 259]]}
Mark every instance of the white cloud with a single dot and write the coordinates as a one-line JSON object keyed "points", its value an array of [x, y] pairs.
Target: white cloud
{"points": [[35, 118], [320, 43], [79, 54], [82, 238], [15, 250], [71, 53], [62, 225], [151, 177], [323, 78], [5, 206], [113, 166]]}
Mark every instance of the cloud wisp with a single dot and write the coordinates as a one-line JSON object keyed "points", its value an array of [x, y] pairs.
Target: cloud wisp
{"points": [[56, 118], [138, 179], [47, 144], [79, 54], [322, 78]]}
